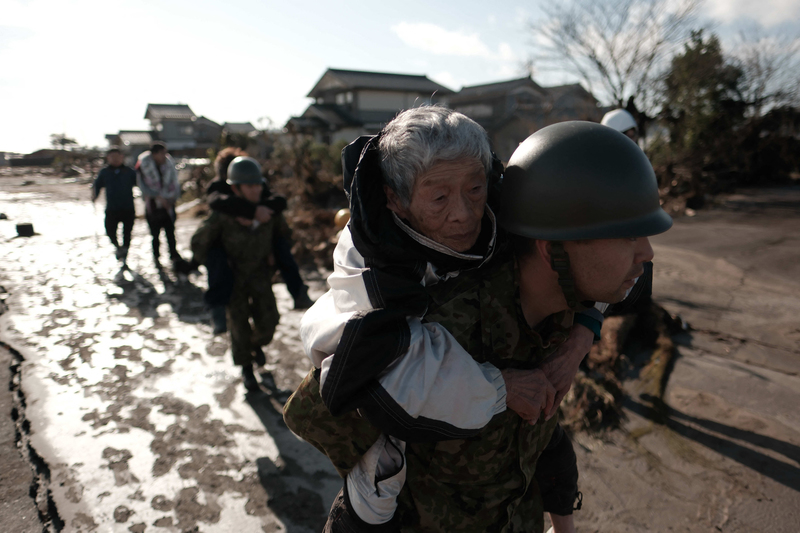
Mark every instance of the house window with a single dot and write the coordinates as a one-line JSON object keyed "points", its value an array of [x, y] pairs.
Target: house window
{"points": [[344, 98], [187, 130]]}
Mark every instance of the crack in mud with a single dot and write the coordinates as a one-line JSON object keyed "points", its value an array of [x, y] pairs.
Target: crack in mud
{"points": [[40, 485]]}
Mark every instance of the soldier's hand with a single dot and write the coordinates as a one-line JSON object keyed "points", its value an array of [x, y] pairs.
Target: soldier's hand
{"points": [[528, 393], [561, 367], [264, 214], [246, 222]]}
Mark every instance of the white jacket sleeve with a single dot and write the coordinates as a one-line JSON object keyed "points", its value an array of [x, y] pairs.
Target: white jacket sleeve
{"points": [[417, 389]]}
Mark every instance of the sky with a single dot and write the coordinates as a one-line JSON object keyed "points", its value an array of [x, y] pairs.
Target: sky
{"points": [[90, 67]]}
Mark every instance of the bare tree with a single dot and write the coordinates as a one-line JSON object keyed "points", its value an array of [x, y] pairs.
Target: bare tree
{"points": [[616, 47], [770, 66], [61, 139]]}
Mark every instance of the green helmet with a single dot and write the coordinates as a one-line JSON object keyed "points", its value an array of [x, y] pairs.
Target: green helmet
{"points": [[244, 170], [580, 180]]}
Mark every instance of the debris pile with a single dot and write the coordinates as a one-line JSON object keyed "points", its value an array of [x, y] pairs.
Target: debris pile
{"points": [[309, 174], [632, 347]]}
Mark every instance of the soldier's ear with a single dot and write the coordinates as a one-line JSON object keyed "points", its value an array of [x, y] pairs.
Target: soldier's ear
{"points": [[543, 251]]}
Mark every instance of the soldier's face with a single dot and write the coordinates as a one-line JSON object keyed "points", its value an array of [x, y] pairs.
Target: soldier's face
{"points": [[605, 269], [249, 191], [447, 203]]}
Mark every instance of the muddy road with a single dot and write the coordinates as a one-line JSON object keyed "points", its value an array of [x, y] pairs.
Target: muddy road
{"points": [[135, 417], [131, 416], [722, 452]]}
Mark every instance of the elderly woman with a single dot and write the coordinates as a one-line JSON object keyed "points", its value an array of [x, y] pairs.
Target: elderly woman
{"points": [[419, 218]]}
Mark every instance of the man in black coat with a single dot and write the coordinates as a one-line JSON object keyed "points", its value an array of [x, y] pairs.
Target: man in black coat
{"points": [[118, 181]]}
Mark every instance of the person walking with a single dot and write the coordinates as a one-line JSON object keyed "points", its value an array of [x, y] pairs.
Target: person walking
{"points": [[118, 181], [158, 180]]}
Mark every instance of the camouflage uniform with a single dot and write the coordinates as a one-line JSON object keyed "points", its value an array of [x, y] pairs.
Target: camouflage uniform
{"points": [[249, 251], [344, 439], [485, 483], [480, 484]]}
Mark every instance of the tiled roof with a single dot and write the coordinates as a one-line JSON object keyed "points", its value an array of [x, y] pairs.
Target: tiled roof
{"points": [[169, 111], [560, 90], [238, 127], [205, 121], [356, 79], [324, 116], [490, 89], [331, 114]]}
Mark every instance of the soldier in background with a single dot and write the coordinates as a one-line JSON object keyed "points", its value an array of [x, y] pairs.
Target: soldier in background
{"points": [[118, 181], [248, 247], [220, 278]]}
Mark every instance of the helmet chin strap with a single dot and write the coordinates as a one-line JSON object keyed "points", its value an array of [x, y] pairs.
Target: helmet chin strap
{"points": [[559, 261]]}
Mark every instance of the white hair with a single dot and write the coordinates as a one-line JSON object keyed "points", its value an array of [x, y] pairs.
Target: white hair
{"points": [[417, 139]]}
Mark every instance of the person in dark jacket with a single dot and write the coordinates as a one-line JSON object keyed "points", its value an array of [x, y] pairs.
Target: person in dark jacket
{"points": [[118, 181], [220, 277]]}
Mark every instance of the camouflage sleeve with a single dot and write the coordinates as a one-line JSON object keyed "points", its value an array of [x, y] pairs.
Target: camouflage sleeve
{"points": [[205, 236]]}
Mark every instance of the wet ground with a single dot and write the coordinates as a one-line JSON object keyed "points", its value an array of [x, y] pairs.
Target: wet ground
{"points": [[131, 408], [722, 453], [133, 417]]}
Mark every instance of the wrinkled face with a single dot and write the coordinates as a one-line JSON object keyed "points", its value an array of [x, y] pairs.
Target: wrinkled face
{"points": [[114, 159], [605, 269], [249, 191], [160, 157], [447, 203]]}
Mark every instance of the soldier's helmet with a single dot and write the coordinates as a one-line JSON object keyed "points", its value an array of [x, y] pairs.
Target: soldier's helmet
{"points": [[580, 180], [244, 170]]}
